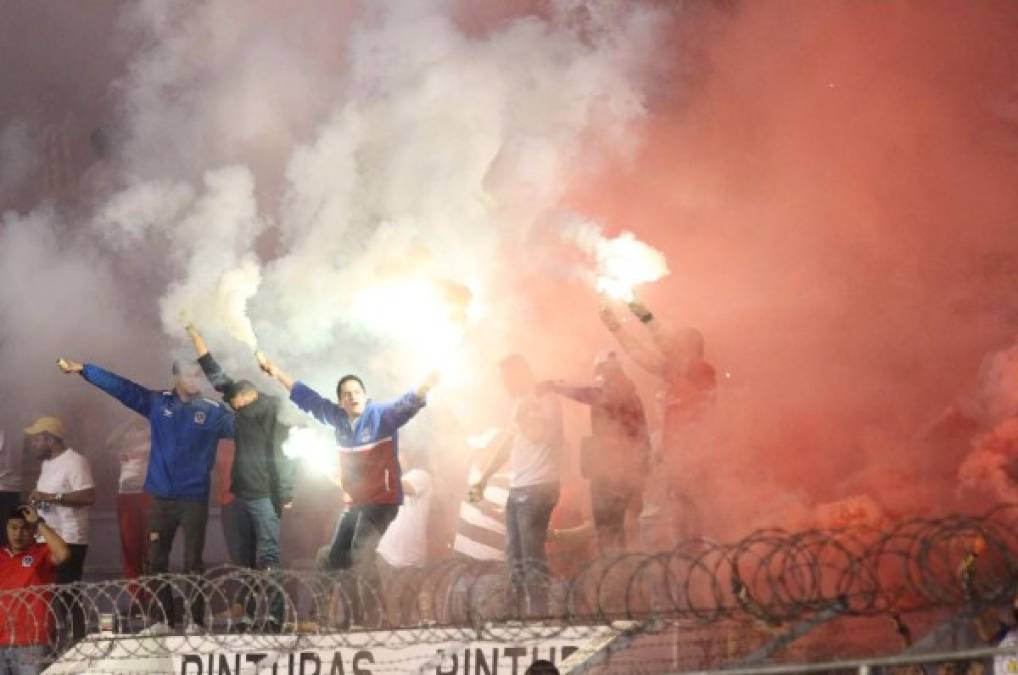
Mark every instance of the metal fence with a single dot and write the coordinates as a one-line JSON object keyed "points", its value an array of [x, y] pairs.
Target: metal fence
{"points": [[772, 599]]}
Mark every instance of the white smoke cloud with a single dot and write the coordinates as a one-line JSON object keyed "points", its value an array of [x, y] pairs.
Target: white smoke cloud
{"points": [[290, 168], [425, 150], [57, 295]]}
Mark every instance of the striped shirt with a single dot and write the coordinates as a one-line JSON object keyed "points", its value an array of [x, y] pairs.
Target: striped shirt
{"points": [[480, 532]]}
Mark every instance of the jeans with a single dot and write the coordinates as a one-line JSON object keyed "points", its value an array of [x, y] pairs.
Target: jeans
{"points": [[354, 547], [164, 518], [238, 531], [609, 501], [527, 514], [22, 660], [264, 531], [256, 544]]}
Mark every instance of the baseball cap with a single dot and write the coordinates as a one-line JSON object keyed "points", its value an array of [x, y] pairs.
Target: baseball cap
{"points": [[49, 425]]}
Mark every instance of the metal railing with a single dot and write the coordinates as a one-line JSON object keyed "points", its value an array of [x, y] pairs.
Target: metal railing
{"points": [[781, 581]]}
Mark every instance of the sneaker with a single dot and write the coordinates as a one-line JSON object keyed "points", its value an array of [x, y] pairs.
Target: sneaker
{"points": [[155, 630], [194, 629]]}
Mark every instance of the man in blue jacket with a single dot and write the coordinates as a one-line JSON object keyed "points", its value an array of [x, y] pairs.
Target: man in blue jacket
{"points": [[366, 432], [186, 428]]}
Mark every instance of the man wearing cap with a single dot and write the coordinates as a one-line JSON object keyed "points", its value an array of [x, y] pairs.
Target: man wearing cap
{"points": [[185, 429], [64, 493], [25, 618]]}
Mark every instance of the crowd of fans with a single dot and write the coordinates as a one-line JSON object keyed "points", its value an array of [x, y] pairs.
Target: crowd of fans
{"points": [[516, 506]]}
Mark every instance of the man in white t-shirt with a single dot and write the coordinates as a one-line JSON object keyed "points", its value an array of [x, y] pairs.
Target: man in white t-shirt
{"points": [[10, 484], [63, 495], [534, 450], [65, 491]]}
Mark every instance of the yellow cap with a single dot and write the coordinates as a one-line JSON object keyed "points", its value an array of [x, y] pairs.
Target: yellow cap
{"points": [[49, 425]]}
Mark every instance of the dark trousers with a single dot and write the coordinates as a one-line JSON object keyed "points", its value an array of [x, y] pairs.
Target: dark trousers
{"points": [[165, 516], [527, 515], [238, 531], [354, 549], [69, 603], [8, 502], [251, 527], [609, 501]]}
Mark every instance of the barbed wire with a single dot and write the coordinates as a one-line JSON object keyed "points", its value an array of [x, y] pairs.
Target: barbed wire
{"points": [[772, 578]]}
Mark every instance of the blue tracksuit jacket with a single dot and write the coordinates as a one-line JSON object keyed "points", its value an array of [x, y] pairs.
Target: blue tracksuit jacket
{"points": [[368, 449], [184, 435]]}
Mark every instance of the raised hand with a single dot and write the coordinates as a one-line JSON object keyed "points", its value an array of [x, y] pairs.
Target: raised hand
{"points": [[609, 319], [476, 492], [639, 309], [68, 366], [263, 362], [30, 514]]}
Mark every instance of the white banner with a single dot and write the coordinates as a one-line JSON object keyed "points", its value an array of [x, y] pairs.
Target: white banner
{"points": [[503, 650]]}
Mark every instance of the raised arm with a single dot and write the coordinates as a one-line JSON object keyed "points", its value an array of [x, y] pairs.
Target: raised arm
{"points": [[134, 396], [274, 371], [319, 407], [200, 348], [649, 359], [59, 551], [216, 376], [397, 413]]}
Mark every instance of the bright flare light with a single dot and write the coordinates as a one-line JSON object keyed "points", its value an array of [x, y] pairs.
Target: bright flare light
{"points": [[426, 317], [625, 262], [314, 446]]}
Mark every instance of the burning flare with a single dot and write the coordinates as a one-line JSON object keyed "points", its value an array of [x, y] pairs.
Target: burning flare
{"points": [[620, 263]]}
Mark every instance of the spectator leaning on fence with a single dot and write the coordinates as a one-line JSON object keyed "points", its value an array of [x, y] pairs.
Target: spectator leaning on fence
{"points": [[25, 619]]}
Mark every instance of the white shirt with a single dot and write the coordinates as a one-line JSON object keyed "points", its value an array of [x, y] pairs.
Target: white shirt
{"points": [[10, 477], [132, 443], [405, 543], [67, 472], [536, 461]]}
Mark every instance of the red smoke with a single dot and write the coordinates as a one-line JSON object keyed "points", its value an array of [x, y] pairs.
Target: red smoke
{"points": [[835, 188]]}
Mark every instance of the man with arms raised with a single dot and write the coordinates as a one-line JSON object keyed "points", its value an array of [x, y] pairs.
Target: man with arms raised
{"points": [[186, 427], [366, 432], [261, 478]]}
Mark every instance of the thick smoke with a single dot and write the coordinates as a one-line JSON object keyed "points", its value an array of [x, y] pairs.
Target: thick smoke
{"points": [[835, 195], [379, 187]]}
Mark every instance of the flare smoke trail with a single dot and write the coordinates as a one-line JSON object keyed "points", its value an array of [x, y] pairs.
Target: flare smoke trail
{"points": [[833, 194]]}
